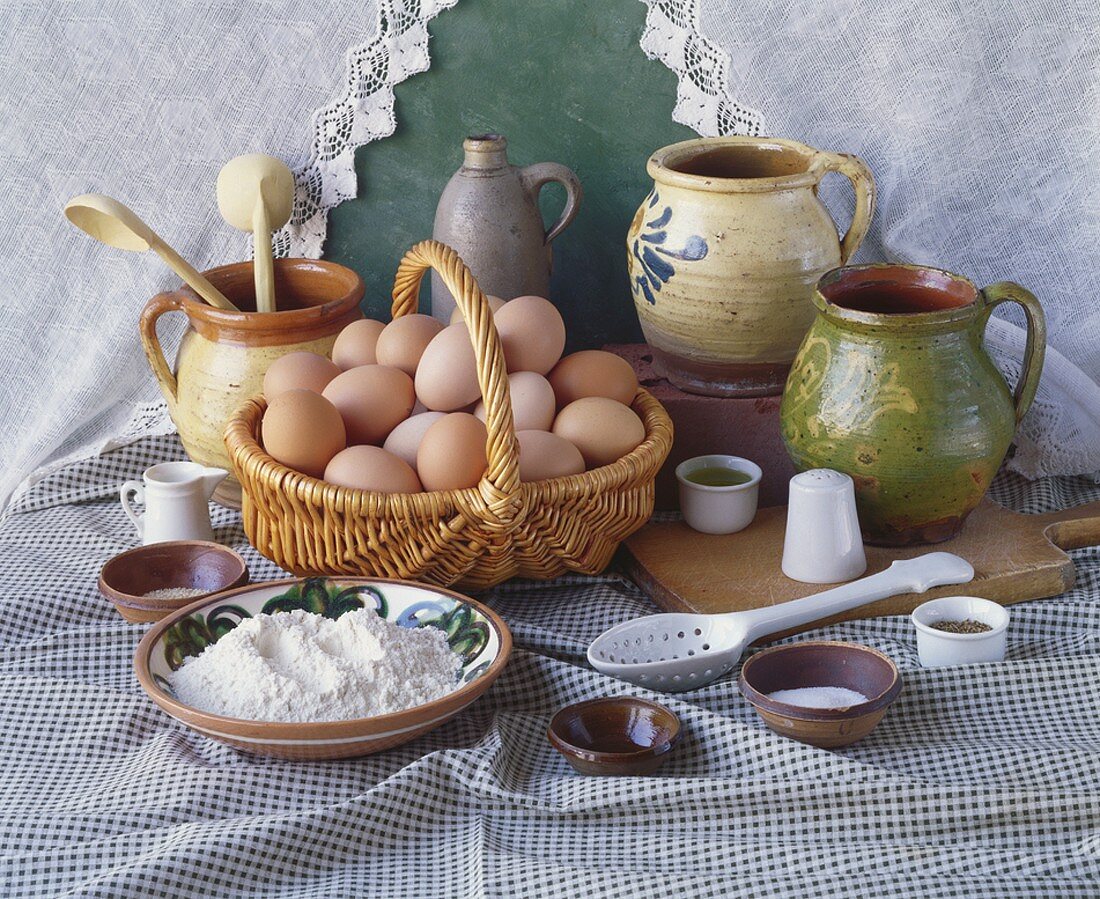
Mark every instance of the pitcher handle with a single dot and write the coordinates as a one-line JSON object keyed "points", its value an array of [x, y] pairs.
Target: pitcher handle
{"points": [[1036, 348], [163, 302], [535, 176], [138, 491], [863, 183]]}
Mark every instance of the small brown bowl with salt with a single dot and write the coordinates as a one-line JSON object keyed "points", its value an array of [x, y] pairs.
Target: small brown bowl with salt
{"points": [[149, 582], [823, 692]]}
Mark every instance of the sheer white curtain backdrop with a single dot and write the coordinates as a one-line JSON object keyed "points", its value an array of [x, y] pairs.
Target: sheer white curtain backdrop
{"points": [[145, 102], [981, 121]]}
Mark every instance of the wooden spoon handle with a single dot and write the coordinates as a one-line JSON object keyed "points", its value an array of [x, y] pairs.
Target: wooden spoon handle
{"points": [[191, 275], [262, 267]]}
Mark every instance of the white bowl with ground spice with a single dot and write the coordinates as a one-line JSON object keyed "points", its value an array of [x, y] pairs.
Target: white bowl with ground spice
{"points": [[960, 630]]}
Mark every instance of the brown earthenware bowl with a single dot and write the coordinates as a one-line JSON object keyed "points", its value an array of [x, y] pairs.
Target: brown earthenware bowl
{"points": [[197, 564], [821, 663], [618, 735]]}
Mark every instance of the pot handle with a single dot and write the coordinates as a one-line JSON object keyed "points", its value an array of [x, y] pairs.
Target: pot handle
{"points": [[541, 173], [1035, 351], [163, 302], [863, 183]]}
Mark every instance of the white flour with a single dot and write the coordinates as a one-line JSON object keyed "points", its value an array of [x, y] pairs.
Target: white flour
{"points": [[299, 666]]}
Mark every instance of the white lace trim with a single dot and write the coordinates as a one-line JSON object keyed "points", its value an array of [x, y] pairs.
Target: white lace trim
{"points": [[361, 114], [673, 36]]}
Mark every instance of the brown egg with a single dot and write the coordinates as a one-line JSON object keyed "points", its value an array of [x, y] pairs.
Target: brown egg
{"points": [[404, 440], [452, 453], [303, 430], [494, 304], [593, 373], [532, 332], [305, 370], [544, 455], [402, 341], [602, 429], [355, 345], [372, 399], [533, 403], [446, 378], [371, 468]]}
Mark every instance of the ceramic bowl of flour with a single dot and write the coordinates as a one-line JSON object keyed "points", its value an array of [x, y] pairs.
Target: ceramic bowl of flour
{"points": [[477, 638]]}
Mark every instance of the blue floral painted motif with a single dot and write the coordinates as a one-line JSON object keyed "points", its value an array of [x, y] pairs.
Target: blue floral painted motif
{"points": [[654, 259]]}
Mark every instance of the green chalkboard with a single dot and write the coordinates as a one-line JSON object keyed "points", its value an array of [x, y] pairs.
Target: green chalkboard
{"points": [[564, 81]]}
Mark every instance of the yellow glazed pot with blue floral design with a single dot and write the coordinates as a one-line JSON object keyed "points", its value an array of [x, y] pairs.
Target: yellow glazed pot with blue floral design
{"points": [[724, 253], [893, 386]]}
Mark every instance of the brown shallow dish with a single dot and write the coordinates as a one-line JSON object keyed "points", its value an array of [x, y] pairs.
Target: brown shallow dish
{"points": [[198, 564], [821, 663], [615, 736], [476, 632]]}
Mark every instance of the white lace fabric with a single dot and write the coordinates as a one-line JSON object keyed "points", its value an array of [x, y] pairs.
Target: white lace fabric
{"points": [[981, 122], [145, 102]]}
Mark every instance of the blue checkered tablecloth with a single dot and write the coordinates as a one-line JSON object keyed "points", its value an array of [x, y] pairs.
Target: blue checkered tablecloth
{"points": [[982, 781]]}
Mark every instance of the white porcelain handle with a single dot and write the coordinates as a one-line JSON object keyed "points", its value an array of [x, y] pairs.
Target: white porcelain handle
{"points": [[903, 576], [138, 491]]}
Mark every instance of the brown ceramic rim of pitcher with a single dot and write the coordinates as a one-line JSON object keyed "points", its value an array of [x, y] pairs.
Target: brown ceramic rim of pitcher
{"points": [[281, 326], [661, 166], [945, 316]]}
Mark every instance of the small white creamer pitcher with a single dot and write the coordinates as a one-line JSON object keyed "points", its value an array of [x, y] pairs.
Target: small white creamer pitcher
{"points": [[175, 495]]}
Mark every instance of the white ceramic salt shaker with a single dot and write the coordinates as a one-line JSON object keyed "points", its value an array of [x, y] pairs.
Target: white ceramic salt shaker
{"points": [[176, 497], [936, 647], [719, 509], [823, 543]]}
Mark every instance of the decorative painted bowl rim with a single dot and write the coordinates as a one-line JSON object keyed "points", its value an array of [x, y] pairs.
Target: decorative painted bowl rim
{"points": [[348, 730], [597, 756], [801, 713]]}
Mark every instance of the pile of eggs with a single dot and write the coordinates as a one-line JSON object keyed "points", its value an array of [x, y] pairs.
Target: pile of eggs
{"points": [[398, 407]]}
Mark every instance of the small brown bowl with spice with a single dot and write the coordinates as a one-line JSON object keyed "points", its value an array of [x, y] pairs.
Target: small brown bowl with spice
{"points": [[618, 735], [149, 582], [823, 692]]}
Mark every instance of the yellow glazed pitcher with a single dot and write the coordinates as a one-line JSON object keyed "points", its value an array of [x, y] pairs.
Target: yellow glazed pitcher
{"points": [[724, 253], [224, 354]]}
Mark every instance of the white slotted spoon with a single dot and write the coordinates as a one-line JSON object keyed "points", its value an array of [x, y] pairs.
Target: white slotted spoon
{"points": [[680, 651]]}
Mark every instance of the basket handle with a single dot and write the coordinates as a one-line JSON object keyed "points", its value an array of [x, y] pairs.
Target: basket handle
{"points": [[500, 486]]}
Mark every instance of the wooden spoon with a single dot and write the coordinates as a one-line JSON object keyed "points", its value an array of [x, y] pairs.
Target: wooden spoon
{"points": [[256, 193], [117, 225]]}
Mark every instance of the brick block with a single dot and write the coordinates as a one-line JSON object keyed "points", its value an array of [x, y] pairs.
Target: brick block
{"points": [[708, 424]]}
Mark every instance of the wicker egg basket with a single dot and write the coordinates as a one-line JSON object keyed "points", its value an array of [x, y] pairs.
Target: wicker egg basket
{"points": [[476, 537]]}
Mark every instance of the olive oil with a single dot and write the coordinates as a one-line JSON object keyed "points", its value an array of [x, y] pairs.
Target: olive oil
{"points": [[717, 476]]}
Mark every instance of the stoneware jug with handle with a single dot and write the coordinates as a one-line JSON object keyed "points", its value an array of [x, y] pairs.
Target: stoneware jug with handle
{"points": [[176, 497], [223, 354], [489, 214], [893, 386], [724, 252]]}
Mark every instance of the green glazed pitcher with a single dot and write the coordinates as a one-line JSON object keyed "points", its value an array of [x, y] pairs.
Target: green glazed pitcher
{"points": [[893, 386]]}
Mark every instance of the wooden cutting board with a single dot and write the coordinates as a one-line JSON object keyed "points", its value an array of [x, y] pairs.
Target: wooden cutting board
{"points": [[1015, 557]]}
